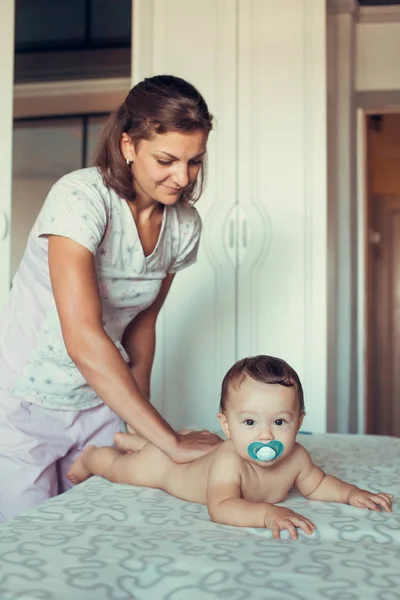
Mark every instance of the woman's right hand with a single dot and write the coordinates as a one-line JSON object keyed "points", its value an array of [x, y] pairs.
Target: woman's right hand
{"points": [[193, 444]]}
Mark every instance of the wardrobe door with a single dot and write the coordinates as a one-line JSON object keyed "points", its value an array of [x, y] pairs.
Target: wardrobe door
{"points": [[196, 328], [6, 124], [282, 233]]}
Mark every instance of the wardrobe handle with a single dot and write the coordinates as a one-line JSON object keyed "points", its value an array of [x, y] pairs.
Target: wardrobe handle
{"points": [[230, 235], [231, 238], [243, 226], [244, 233], [3, 225]]}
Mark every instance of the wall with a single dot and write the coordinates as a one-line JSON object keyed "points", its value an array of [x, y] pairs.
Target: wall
{"points": [[378, 51], [362, 72]]}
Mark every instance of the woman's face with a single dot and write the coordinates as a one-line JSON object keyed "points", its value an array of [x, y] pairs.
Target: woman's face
{"points": [[166, 164]]}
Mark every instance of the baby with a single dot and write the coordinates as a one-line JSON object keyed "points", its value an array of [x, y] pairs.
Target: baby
{"points": [[242, 479]]}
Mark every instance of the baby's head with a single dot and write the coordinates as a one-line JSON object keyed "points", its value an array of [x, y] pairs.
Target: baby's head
{"points": [[261, 400]]}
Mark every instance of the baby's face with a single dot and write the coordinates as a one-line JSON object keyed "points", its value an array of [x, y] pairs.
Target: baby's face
{"points": [[262, 412]]}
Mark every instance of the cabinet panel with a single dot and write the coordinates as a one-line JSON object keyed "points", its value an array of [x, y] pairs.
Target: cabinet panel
{"points": [[260, 284], [196, 329], [282, 189], [6, 112]]}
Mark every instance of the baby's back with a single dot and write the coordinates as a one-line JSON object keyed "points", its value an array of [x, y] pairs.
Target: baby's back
{"points": [[186, 481], [189, 481]]}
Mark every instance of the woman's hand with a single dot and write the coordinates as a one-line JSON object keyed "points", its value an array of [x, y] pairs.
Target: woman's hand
{"points": [[193, 444], [188, 445]]}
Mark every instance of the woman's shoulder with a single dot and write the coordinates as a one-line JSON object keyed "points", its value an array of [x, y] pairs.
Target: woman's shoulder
{"points": [[86, 179], [188, 216]]}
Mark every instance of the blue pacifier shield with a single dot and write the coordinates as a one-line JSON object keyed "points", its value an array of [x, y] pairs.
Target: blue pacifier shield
{"points": [[265, 452]]}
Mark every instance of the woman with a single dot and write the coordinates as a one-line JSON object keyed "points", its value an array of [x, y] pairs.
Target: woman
{"points": [[77, 336]]}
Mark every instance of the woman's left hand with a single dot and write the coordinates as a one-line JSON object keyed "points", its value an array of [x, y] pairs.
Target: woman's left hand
{"points": [[194, 444], [203, 436], [204, 440]]}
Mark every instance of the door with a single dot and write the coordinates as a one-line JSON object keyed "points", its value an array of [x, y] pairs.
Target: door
{"points": [[385, 316], [196, 329], [6, 124]]}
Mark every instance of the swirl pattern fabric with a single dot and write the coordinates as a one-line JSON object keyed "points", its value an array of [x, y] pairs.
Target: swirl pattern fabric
{"points": [[102, 541]]}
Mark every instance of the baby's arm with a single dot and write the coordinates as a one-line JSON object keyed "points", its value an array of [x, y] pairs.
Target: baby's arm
{"points": [[226, 505], [314, 484]]}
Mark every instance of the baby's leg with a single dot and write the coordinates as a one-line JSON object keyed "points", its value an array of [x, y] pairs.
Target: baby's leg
{"points": [[137, 468], [93, 461]]}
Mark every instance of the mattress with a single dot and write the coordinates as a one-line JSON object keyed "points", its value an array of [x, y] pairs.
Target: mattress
{"points": [[106, 541]]}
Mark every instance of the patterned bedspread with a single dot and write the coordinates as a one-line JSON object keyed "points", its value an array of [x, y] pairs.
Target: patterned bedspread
{"points": [[102, 541]]}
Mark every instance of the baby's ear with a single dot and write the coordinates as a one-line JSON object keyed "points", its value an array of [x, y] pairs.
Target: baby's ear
{"points": [[301, 417], [224, 424]]}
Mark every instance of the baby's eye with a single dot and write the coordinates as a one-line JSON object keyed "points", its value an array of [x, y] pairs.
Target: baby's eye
{"points": [[249, 422], [279, 422]]}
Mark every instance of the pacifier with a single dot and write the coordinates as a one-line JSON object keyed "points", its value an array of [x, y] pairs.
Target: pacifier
{"points": [[265, 452]]}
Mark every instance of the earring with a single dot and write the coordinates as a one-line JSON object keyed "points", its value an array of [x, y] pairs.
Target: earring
{"points": [[129, 161]]}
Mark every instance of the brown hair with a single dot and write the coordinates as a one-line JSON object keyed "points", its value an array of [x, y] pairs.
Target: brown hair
{"points": [[156, 105], [266, 369]]}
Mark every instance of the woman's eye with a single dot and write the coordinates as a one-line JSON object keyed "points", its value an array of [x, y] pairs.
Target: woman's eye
{"points": [[164, 162], [196, 162], [279, 422], [249, 422]]}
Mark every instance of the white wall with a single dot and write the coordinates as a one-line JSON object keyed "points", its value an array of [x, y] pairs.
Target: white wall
{"points": [[378, 51], [6, 100], [24, 213]]}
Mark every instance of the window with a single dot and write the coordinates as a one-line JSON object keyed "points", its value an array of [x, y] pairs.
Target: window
{"points": [[72, 39], [45, 149]]}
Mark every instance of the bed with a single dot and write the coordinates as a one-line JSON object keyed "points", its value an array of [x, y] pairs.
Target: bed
{"points": [[102, 541]]}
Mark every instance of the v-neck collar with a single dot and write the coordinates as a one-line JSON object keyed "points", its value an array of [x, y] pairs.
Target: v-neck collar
{"points": [[160, 235]]}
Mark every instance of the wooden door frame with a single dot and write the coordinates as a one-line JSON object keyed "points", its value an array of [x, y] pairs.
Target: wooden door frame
{"points": [[69, 97], [364, 252]]}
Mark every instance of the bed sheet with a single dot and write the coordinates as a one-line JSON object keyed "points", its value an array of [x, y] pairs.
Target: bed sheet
{"points": [[102, 541]]}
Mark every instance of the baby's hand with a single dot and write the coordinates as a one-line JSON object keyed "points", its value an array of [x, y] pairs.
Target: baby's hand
{"points": [[279, 518], [363, 499]]}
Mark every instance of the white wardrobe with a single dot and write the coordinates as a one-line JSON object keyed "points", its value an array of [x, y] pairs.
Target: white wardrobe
{"points": [[260, 284]]}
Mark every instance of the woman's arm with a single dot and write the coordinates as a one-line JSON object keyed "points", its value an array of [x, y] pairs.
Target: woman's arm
{"points": [[139, 338], [74, 283]]}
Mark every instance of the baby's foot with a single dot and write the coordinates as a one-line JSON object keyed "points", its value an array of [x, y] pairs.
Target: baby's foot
{"points": [[78, 472], [129, 442], [122, 442]]}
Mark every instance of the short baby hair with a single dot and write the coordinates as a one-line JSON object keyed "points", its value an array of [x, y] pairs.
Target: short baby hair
{"points": [[266, 369]]}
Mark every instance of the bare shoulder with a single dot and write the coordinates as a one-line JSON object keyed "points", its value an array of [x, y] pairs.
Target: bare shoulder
{"points": [[300, 452], [300, 458], [227, 450], [303, 463], [225, 459]]}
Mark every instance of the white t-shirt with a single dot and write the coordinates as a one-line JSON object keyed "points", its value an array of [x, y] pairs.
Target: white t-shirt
{"points": [[34, 363]]}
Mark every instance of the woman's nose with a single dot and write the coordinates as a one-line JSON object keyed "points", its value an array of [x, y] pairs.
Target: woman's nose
{"points": [[181, 176]]}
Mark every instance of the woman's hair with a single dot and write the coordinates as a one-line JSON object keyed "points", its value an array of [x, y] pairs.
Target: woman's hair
{"points": [[266, 369], [156, 105]]}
